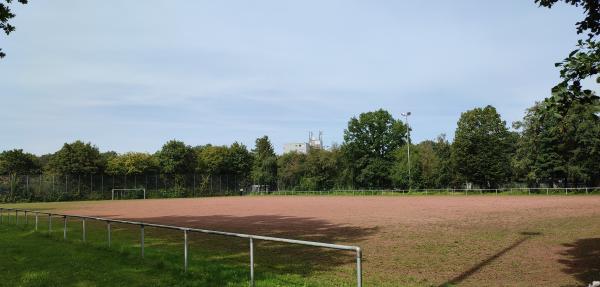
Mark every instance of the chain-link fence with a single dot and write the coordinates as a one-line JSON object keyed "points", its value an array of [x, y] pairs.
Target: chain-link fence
{"points": [[50, 187]]}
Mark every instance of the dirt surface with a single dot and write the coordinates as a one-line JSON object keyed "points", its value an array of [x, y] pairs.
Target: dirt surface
{"points": [[413, 241]]}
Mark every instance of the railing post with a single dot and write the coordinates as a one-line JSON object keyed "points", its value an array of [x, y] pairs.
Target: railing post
{"points": [[65, 227], [83, 229], [142, 239], [358, 267], [251, 262], [36, 221], [185, 250], [108, 230]]}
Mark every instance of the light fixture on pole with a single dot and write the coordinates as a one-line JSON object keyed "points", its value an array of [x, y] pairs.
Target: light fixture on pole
{"points": [[405, 115]]}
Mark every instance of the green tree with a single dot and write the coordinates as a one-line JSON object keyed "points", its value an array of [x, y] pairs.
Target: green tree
{"points": [[399, 173], [584, 61], [591, 22], [481, 150], [212, 160], [322, 169], [5, 15], [264, 169], [291, 168], [176, 157], [16, 161], [369, 144], [445, 175], [132, 163], [76, 158], [560, 143], [240, 162]]}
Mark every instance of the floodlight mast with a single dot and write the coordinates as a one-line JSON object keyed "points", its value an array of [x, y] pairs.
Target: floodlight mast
{"points": [[405, 115]]}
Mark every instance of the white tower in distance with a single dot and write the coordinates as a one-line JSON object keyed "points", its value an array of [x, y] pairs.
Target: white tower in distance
{"points": [[316, 143]]}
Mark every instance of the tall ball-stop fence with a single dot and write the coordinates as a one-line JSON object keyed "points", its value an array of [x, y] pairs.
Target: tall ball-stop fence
{"points": [[53, 187]]}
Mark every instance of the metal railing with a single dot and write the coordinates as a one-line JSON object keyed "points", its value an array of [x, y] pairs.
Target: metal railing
{"points": [[185, 230]]}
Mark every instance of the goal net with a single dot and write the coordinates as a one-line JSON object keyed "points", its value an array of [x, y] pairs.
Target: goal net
{"points": [[128, 193]]}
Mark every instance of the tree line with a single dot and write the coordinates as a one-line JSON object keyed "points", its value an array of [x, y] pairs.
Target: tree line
{"points": [[557, 143]]}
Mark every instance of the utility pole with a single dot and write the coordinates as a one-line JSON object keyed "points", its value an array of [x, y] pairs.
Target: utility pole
{"points": [[405, 115]]}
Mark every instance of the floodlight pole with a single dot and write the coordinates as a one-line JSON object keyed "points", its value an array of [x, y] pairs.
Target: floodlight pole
{"points": [[405, 115]]}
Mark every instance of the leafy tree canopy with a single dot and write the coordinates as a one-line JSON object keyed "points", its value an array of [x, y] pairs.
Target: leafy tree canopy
{"points": [[5, 15], [76, 158], [369, 143], [482, 147], [176, 157], [264, 169], [591, 22], [18, 162], [132, 163]]}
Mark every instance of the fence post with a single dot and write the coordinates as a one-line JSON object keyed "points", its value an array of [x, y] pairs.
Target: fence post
{"points": [[16, 217], [108, 230], [49, 224], [142, 239], [185, 250], [36, 221], [1, 211], [251, 262], [83, 229], [65, 227], [358, 267], [26, 220]]}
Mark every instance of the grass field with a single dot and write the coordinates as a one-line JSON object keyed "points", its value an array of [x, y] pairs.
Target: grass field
{"points": [[407, 241]]}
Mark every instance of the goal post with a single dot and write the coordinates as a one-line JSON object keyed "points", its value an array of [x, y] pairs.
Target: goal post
{"points": [[120, 191]]}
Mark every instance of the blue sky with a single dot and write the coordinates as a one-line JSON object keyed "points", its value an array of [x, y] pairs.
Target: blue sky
{"points": [[130, 75]]}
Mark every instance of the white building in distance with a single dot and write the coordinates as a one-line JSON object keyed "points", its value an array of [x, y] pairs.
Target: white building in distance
{"points": [[313, 143], [295, 147]]}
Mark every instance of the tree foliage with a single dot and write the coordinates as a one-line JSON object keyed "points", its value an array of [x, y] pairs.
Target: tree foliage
{"points": [[132, 163], [176, 157], [560, 143], [5, 15], [264, 169], [76, 158], [591, 22], [481, 151], [369, 145], [18, 162], [233, 160]]}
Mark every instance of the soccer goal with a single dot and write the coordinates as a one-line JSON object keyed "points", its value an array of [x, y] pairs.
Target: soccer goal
{"points": [[119, 193]]}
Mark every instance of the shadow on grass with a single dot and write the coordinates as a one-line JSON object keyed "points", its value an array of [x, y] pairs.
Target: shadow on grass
{"points": [[468, 273], [272, 257], [582, 260], [214, 260]]}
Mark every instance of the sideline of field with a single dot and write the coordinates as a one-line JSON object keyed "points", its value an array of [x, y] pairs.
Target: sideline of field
{"points": [[35, 257]]}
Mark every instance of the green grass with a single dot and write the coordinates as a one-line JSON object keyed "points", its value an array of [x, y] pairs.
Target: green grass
{"points": [[44, 259]]}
